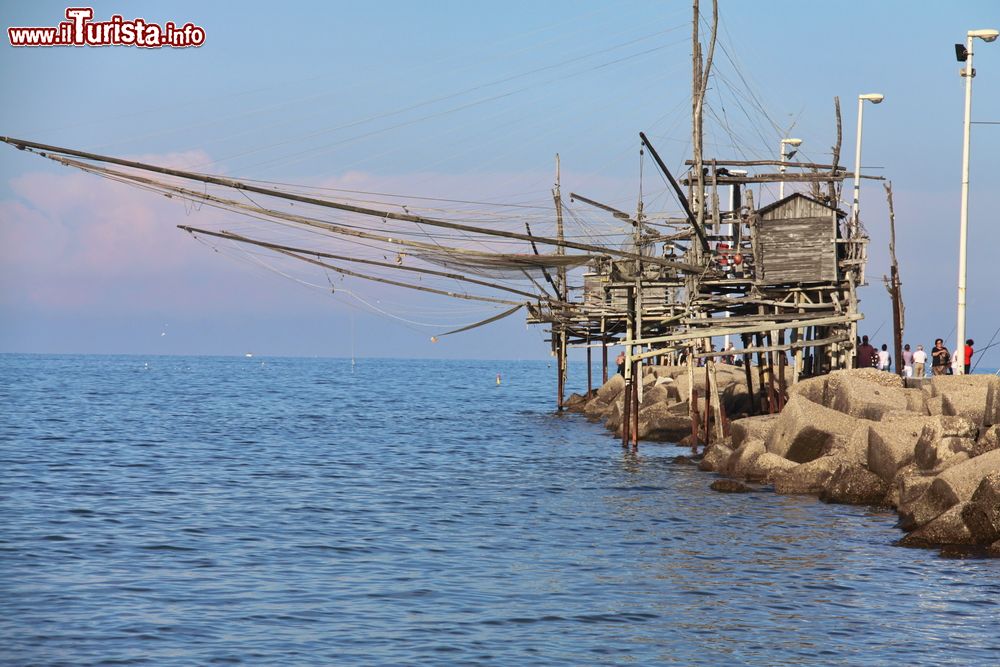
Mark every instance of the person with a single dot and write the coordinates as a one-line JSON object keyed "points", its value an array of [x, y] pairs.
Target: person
{"points": [[620, 360], [907, 361], [968, 354], [919, 362], [884, 360], [866, 356], [940, 358]]}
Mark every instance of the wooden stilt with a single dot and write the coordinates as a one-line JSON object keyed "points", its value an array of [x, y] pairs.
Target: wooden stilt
{"points": [[694, 420], [761, 374], [604, 352], [747, 359], [590, 380]]}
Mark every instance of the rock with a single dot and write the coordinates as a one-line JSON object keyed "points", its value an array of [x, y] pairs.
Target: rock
{"points": [[767, 466], [681, 387], [735, 398], [743, 457], [653, 394], [613, 417], [867, 375], [916, 401], [758, 427], [966, 395], [988, 441], [808, 477], [852, 484], [715, 459], [982, 513], [954, 485], [596, 409], [935, 405], [991, 413], [611, 389], [891, 445], [859, 397], [937, 455], [994, 549], [682, 461], [855, 448], [729, 486], [689, 441], [941, 438], [813, 389], [805, 430], [575, 402], [658, 423], [908, 484], [946, 528]]}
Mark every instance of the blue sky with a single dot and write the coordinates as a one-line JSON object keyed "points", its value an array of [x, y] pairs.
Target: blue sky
{"points": [[344, 93]]}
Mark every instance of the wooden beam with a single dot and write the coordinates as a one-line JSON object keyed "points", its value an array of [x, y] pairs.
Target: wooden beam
{"points": [[722, 331]]}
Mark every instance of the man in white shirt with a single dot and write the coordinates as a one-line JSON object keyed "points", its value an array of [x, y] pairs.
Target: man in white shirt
{"points": [[919, 362]]}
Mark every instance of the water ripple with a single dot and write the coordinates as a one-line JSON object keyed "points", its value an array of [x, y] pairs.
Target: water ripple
{"points": [[220, 511]]}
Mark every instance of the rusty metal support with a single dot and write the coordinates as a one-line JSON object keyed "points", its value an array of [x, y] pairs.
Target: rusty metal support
{"points": [[626, 412], [636, 378], [590, 379]]}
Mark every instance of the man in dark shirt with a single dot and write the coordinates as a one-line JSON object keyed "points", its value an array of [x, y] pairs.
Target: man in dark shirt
{"points": [[867, 356], [940, 358]]}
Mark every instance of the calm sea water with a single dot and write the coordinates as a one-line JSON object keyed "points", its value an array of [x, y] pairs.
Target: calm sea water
{"points": [[197, 511]]}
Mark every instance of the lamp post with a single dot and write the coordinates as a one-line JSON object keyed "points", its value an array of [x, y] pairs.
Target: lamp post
{"points": [[964, 54], [874, 98], [791, 142]]}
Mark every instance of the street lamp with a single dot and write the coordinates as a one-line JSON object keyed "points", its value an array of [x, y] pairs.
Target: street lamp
{"points": [[791, 142], [874, 98], [964, 54]]}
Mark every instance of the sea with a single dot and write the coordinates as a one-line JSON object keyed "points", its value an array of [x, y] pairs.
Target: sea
{"points": [[310, 511]]}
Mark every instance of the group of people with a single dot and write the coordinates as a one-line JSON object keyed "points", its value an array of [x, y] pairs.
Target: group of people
{"points": [[915, 361]]}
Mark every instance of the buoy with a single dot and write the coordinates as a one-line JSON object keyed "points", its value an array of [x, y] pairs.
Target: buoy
{"points": [[498, 378], [737, 258]]}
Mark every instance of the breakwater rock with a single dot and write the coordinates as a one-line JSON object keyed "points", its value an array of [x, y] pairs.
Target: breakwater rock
{"points": [[664, 412], [929, 448]]}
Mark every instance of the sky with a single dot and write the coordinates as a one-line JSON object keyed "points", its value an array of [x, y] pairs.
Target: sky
{"points": [[461, 100]]}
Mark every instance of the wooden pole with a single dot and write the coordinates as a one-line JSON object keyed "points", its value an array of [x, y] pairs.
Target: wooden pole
{"points": [[561, 365], [716, 402], [747, 360], [692, 398], [694, 420], [894, 291], [708, 405]]}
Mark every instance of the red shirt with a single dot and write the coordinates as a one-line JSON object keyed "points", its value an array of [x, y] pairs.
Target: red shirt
{"points": [[968, 355]]}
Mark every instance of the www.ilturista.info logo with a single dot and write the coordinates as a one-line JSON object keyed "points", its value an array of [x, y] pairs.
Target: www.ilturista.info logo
{"points": [[80, 30]]}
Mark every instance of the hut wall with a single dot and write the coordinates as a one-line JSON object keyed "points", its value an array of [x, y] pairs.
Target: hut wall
{"points": [[796, 250]]}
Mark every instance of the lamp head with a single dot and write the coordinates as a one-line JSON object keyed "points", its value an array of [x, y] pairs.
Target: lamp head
{"points": [[874, 98], [987, 35], [792, 142]]}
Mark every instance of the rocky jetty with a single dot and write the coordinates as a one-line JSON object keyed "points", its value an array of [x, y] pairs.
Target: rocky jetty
{"points": [[930, 448]]}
